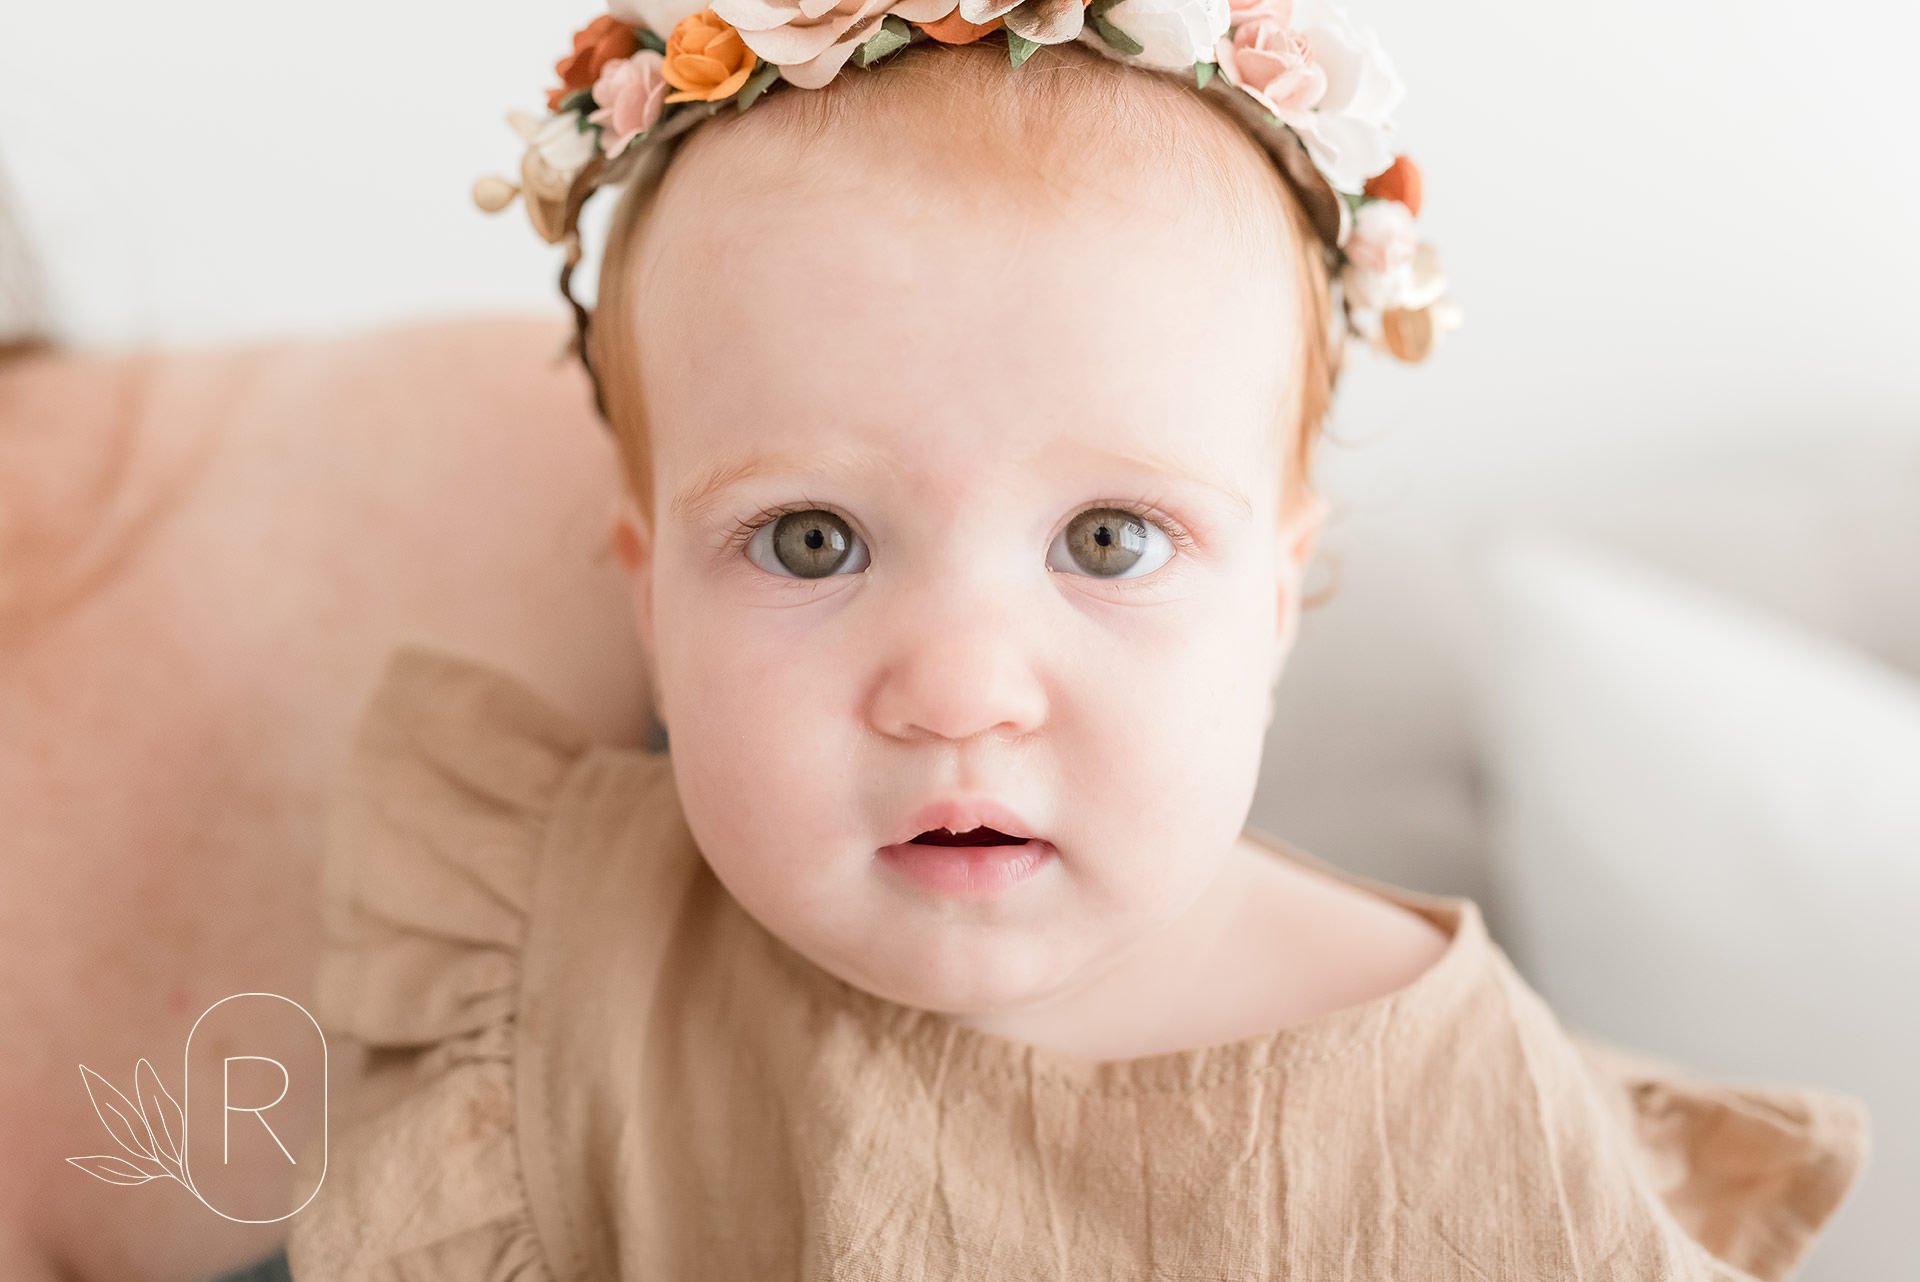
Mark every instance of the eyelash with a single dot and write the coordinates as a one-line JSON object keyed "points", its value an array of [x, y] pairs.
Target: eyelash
{"points": [[1144, 508]]}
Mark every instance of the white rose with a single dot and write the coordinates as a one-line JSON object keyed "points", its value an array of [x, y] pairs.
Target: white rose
{"points": [[1174, 34], [1348, 133]]}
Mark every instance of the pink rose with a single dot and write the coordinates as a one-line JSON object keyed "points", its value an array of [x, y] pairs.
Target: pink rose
{"points": [[631, 93], [1247, 12], [1274, 63]]}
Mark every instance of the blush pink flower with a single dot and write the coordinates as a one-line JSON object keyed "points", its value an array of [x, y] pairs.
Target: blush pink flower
{"points": [[1273, 62], [631, 93], [1383, 237]]}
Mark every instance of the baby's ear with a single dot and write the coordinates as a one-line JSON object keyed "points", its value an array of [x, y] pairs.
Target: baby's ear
{"points": [[633, 543], [1300, 532], [628, 537]]}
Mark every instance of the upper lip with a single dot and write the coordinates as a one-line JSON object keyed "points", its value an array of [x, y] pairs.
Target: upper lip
{"points": [[962, 814]]}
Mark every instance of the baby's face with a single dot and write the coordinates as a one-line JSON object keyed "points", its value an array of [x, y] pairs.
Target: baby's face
{"points": [[1033, 554]]}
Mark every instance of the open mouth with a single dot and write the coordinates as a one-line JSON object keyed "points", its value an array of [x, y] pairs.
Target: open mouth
{"points": [[971, 837]]}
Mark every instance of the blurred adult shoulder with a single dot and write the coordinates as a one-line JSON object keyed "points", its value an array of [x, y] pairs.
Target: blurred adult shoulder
{"points": [[206, 555]]}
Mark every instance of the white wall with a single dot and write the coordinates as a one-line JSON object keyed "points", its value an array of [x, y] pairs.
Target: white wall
{"points": [[1671, 227]]}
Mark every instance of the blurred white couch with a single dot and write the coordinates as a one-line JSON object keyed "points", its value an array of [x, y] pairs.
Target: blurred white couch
{"points": [[23, 302], [1666, 728]]}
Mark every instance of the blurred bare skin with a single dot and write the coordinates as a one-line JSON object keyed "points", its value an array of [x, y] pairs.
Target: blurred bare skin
{"points": [[191, 615]]}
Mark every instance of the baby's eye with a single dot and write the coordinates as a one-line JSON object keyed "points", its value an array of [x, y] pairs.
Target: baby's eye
{"points": [[1105, 542], [810, 543], [1111, 543]]}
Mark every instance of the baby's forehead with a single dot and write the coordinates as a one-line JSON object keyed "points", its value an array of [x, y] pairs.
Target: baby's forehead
{"points": [[806, 322]]}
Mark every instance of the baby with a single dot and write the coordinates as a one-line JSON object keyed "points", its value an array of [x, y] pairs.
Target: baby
{"points": [[968, 393]]}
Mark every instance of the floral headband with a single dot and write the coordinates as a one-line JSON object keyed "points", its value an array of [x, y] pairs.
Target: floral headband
{"points": [[1313, 89]]}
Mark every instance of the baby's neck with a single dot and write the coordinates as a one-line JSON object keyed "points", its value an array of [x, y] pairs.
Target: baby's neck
{"points": [[1168, 993], [1270, 944]]}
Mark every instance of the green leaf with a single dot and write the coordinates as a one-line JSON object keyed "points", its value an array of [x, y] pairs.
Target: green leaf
{"points": [[893, 34], [763, 75], [578, 100], [1203, 72], [1019, 48], [1113, 35], [650, 39]]}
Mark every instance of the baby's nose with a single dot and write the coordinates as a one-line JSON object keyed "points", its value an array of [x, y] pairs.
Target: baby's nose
{"points": [[961, 665]]}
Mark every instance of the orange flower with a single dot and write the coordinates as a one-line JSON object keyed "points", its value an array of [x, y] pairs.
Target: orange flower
{"points": [[706, 59], [956, 30], [1399, 181], [594, 46]]}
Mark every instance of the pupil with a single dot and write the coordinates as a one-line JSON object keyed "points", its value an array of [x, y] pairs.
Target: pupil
{"points": [[1104, 537], [815, 539]]}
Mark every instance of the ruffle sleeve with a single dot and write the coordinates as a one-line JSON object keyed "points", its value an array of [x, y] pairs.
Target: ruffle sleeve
{"points": [[437, 824], [1751, 1171]]}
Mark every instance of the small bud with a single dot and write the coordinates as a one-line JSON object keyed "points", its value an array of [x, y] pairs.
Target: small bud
{"points": [[493, 193], [1408, 334]]}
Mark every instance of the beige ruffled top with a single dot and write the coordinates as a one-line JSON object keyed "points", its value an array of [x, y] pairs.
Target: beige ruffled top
{"points": [[588, 1062]]}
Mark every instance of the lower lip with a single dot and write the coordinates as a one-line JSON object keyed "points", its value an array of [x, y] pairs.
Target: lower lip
{"points": [[968, 872]]}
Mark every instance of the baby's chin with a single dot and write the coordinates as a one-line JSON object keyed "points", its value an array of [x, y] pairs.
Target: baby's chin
{"points": [[954, 964]]}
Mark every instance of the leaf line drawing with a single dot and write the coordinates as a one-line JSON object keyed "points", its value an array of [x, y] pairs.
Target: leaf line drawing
{"points": [[131, 1123]]}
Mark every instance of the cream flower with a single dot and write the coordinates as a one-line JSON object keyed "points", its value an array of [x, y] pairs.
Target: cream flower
{"points": [[1414, 281], [811, 40], [1173, 34], [558, 143]]}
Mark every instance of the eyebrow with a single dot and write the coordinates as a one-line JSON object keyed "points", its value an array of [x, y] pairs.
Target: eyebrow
{"points": [[1172, 465], [693, 501]]}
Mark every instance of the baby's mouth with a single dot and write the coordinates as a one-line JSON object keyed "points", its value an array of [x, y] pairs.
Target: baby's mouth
{"points": [[971, 837]]}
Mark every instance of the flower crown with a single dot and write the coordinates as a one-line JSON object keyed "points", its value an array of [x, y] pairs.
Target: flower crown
{"points": [[1314, 90]]}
